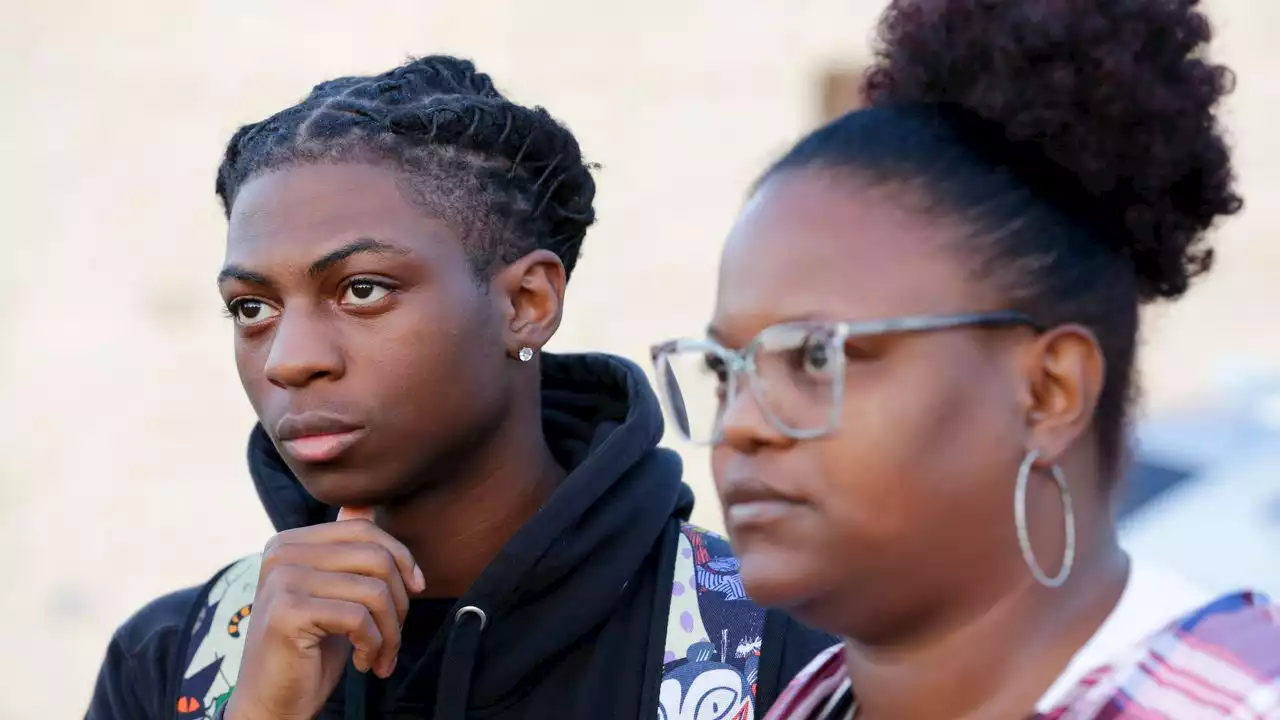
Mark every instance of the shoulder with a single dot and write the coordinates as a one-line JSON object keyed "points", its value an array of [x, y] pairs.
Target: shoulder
{"points": [[174, 613], [173, 656], [1222, 659], [157, 622], [1234, 642], [138, 672]]}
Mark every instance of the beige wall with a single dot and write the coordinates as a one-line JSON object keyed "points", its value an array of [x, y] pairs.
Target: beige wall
{"points": [[121, 470]]}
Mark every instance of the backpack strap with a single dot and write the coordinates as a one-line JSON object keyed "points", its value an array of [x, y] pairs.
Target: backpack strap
{"points": [[210, 663], [714, 632]]}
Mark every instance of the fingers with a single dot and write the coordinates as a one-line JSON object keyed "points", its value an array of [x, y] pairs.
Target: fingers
{"points": [[358, 530], [371, 593], [357, 513], [318, 617], [357, 558], [348, 578]]}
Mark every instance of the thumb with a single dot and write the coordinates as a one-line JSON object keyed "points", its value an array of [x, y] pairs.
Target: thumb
{"points": [[356, 513]]}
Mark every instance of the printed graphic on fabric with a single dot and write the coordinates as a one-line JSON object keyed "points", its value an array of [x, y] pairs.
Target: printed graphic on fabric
{"points": [[217, 642], [700, 687], [712, 657]]}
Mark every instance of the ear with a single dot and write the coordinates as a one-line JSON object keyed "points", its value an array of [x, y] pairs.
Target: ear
{"points": [[1064, 370], [531, 291]]}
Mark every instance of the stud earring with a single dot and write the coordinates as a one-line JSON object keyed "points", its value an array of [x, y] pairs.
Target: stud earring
{"points": [[525, 354]]}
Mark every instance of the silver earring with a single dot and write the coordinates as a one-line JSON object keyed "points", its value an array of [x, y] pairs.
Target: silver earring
{"points": [[1020, 520], [525, 354]]}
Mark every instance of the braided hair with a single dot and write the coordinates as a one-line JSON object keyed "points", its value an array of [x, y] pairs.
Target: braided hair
{"points": [[511, 179]]}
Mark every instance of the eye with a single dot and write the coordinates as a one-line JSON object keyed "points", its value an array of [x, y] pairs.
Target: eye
{"points": [[247, 312], [364, 292], [715, 365], [816, 357]]}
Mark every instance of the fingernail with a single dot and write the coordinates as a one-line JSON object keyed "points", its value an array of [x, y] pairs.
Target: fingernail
{"points": [[356, 513], [360, 664], [420, 582], [391, 670]]}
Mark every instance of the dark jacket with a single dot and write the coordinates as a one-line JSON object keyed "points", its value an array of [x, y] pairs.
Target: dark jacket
{"points": [[576, 604]]}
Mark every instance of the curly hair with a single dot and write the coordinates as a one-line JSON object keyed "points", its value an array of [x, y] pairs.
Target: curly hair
{"points": [[511, 179], [1076, 139]]}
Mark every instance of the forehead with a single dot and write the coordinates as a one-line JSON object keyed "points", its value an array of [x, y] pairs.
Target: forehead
{"points": [[822, 244], [305, 207]]}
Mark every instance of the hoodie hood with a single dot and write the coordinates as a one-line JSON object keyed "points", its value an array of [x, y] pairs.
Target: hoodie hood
{"points": [[581, 570]]}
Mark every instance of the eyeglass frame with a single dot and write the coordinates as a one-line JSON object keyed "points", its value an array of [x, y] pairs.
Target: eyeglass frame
{"points": [[742, 361]]}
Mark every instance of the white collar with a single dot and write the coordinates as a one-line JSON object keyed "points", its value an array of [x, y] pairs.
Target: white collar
{"points": [[1153, 598]]}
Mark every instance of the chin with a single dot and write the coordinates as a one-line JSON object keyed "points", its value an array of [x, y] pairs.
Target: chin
{"points": [[346, 487], [778, 580], [871, 613]]}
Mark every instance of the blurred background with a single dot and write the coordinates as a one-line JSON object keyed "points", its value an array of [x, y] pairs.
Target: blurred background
{"points": [[121, 461]]}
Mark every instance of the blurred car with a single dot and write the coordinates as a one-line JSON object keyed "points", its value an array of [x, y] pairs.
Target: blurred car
{"points": [[1203, 494]]}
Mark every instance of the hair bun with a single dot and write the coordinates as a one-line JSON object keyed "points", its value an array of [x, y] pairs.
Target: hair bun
{"points": [[1115, 92]]}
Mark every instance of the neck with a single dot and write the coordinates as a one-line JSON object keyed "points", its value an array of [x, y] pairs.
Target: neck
{"points": [[994, 663], [456, 525]]}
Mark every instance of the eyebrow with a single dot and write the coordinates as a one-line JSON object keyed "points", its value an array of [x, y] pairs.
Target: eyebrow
{"points": [[356, 247], [235, 272], [807, 317], [363, 245]]}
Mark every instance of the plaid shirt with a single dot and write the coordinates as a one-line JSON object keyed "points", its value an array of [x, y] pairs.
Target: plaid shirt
{"points": [[1222, 662]]}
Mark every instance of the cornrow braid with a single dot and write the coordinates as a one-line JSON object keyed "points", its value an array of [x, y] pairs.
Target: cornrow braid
{"points": [[510, 178]]}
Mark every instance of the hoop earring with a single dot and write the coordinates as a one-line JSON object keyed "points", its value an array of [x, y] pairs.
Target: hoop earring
{"points": [[525, 354], [1020, 521]]}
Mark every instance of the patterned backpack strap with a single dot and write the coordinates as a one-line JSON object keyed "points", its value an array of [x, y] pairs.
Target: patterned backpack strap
{"points": [[714, 633], [212, 659]]}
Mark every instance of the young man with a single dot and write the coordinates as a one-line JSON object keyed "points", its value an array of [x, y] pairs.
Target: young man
{"points": [[513, 543]]}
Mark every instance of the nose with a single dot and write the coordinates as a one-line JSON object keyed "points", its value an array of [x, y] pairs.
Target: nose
{"points": [[744, 426], [303, 350]]}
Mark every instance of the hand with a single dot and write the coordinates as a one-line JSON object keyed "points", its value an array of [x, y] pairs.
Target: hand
{"points": [[324, 592]]}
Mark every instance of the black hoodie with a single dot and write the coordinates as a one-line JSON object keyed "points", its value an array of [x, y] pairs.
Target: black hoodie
{"points": [[574, 606]]}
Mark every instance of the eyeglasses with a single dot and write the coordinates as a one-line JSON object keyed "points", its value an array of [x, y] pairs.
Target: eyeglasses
{"points": [[795, 371]]}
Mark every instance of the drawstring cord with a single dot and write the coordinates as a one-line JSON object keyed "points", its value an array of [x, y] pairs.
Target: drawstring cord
{"points": [[453, 692], [460, 653]]}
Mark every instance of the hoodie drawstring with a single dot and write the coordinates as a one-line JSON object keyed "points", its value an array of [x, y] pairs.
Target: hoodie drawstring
{"points": [[460, 653], [453, 691]]}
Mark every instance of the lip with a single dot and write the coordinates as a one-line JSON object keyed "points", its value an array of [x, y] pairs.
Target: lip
{"points": [[317, 437], [756, 512], [748, 501]]}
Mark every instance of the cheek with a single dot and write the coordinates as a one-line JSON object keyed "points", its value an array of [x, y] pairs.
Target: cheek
{"points": [[424, 352], [918, 462], [424, 370], [251, 358], [400, 355]]}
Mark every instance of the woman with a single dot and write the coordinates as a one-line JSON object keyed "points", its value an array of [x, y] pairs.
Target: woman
{"points": [[512, 542], [920, 368]]}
